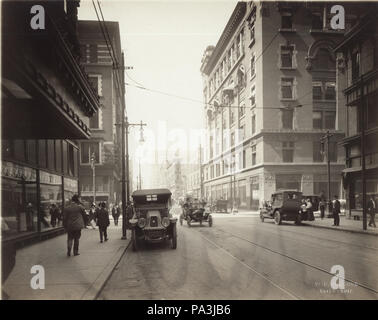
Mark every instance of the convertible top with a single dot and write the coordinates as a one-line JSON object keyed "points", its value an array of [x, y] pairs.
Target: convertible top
{"points": [[146, 192]]}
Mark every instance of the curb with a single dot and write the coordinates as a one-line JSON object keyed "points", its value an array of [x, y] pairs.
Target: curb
{"points": [[96, 287], [338, 229]]}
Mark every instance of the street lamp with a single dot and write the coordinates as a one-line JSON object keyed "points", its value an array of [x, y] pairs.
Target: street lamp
{"points": [[93, 160], [325, 141]]}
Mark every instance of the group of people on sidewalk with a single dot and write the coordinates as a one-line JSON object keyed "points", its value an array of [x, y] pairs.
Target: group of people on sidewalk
{"points": [[75, 218]]}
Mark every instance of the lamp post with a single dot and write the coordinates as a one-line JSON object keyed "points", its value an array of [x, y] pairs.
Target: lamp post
{"points": [[93, 160], [325, 141]]}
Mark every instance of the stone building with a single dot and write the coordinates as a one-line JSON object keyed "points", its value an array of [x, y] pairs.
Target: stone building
{"points": [[269, 91]]}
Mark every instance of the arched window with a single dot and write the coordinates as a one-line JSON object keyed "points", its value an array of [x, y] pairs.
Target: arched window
{"points": [[241, 78], [323, 60]]}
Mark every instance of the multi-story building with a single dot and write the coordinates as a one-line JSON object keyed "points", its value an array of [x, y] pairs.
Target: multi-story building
{"points": [[47, 101], [269, 91], [357, 80], [105, 142]]}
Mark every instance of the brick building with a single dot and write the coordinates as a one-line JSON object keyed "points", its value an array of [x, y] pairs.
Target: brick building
{"points": [[105, 142]]}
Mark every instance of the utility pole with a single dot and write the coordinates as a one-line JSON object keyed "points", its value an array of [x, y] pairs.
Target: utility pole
{"points": [[325, 140], [93, 160], [201, 172]]}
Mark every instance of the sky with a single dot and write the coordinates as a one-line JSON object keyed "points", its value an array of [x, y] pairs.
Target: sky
{"points": [[164, 42]]}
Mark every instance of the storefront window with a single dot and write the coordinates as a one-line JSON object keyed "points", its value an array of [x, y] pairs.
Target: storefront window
{"points": [[51, 154], [19, 150], [58, 155], [19, 200], [42, 153], [71, 187], [51, 193]]}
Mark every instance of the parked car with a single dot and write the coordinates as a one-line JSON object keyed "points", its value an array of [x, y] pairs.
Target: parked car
{"points": [[284, 205], [152, 221]]}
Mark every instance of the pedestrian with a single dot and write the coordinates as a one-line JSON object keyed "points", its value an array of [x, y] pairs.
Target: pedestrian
{"points": [[371, 209], [54, 215], [91, 216], [102, 218], [73, 222], [322, 206], [115, 214], [336, 211], [310, 211]]}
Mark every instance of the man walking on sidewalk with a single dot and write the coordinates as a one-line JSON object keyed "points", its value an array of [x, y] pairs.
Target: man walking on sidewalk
{"points": [[73, 223], [336, 212], [102, 218], [371, 209]]}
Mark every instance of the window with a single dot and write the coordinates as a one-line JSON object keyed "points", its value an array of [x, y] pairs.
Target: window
{"points": [[253, 96], [94, 121], [253, 70], [51, 154], [287, 57], [42, 153], [58, 155], [71, 160], [323, 60], [316, 21], [241, 133], [286, 20], [329, 119], [324, 119], [232, 138], [253, 124], [232, 120], [217, 170], [93, 57], [333, 151], [254, 155], [287, 119], [31, 151], [288, 181], [330, 92], [242, 111], [288, 151], [87, 149], [96, 81], [355, 65], [244, 159], [317, 91], [241, 42], [317, 120], [316, 152], [287, 88]]}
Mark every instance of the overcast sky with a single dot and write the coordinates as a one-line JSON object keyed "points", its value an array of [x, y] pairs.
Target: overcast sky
{"points": [[164, 43]]}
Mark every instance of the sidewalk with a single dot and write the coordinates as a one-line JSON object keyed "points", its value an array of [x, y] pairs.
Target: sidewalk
{"points": [[345, 225], [69, 278]]}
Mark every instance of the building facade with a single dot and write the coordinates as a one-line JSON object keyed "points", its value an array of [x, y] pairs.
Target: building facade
{"points": [[269, 91], [357, 106], [104, 145], [47, 101]]}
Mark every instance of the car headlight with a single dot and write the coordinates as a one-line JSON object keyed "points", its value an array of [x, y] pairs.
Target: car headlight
{"points": [[165, 222], [142, 222]]}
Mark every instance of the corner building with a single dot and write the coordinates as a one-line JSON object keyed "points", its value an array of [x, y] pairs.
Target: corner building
{"points": [[269, 92]]}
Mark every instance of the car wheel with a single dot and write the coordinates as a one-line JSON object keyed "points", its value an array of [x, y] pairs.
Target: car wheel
{"points": [[210, 221], [277, 217], [134, 240], [181, 219], [188, 221], [174, 238]]}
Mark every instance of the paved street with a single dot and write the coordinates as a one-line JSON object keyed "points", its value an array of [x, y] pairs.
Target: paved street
{"points": [[243, 258]]}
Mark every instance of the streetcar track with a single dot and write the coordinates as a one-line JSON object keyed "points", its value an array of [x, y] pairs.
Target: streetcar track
{"points": [[290, 258], [292, 295], [322, 238]]}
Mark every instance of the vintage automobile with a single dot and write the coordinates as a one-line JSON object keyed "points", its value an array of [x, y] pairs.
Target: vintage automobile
{"points": [[219, 206], [194, 210], [152, 221], [285, 205]]}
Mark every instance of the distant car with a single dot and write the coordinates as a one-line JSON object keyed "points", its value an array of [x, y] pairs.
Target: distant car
{"points": [[285, 205], [152, 221]]}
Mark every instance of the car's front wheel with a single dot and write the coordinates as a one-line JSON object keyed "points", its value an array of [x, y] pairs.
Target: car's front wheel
{"points": [[174, 237], [277, 217]]}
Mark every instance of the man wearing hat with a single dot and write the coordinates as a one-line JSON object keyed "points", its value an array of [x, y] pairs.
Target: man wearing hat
{"points": [[73, 222]]}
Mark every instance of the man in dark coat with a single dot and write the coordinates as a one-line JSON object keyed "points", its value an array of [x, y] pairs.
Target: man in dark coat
{"points": [[102, 218], [73, 222], [371, 209], [336, 212], [115, 214]]}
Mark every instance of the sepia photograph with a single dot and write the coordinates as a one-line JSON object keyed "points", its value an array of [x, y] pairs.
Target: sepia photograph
{"points": [[198, 152]]}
